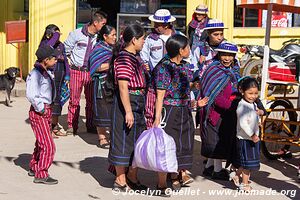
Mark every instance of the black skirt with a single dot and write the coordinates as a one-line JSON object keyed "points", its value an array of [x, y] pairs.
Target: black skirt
{"points": [[59, 75], [249, 154], [101, 108], [122, 138], [215, 140], [180, 126]]}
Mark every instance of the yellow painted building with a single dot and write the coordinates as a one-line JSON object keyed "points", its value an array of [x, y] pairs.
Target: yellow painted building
{"points": [[63, 14], [40, 14]]}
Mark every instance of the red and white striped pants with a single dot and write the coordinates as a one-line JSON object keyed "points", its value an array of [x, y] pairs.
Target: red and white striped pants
{"points": [[150, 107], [44, 150], [78, 80]]}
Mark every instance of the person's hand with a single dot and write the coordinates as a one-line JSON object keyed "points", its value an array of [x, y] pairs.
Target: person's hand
{"points": [[156, 122], [43, 112], [203, 102], [202, 59], [147, 67], [260, 112], [255, 138], [129, 119]]}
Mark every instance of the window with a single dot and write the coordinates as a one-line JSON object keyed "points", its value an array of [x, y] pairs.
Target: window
{"points": [[244, 17]]}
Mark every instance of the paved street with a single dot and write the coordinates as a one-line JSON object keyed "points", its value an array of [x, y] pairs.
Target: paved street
{"points": [[81, 167]]}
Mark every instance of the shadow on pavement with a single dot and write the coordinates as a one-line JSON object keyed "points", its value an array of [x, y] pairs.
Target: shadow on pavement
{"points": [[285, 166], [22, 161], [262, 178], [97, 168]]}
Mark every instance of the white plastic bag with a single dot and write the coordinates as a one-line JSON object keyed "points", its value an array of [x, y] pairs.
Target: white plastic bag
{"points": [[155, 150]]}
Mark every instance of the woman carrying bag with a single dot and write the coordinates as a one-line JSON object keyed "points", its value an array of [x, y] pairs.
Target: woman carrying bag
{"points": [[171, 81]]}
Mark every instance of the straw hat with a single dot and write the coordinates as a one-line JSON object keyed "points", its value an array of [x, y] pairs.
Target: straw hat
{"points": [[227, 47], [162, 16], [201, 9], [214, 24]]}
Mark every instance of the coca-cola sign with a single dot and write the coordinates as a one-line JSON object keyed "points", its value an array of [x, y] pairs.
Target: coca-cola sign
{"points": [[279, 21]]}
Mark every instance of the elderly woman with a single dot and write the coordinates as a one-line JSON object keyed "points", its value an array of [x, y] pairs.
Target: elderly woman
{"points": [[218, 82]]}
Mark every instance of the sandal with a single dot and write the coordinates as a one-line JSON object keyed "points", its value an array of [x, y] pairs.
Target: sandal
{"points": [[233, 177], [54, 136], [104, 145], [284, 153], [245, 188], [176, 185], [136, 186], [185, 179], [56, 131], [120, 188]]}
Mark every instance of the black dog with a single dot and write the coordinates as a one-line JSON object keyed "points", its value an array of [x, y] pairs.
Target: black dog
{"points": [[7, 82]]}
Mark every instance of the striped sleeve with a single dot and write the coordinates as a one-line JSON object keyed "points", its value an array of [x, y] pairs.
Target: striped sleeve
{"points": [[98, 56], [124, 68]]}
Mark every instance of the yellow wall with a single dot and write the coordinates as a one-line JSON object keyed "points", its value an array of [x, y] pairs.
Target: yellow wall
{"points": [[11, 10], [44, 12], [223, 10], [41, 13]]}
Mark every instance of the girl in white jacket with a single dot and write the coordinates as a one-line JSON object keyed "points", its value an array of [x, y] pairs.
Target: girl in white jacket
{"points": [[248, 132]]}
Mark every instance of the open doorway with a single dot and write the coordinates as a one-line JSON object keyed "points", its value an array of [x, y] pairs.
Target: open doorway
{"points": [[85, 8]]}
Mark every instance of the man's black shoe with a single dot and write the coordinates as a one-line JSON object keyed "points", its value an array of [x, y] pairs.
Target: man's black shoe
{"points": [[208, 171], [221, 175]]}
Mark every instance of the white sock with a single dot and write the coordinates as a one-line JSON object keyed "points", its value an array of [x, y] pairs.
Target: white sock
{"points": [[217, 165], [210, 162]]}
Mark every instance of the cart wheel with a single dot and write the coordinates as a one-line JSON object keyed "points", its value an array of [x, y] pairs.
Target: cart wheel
{"points": [[271, 149], [254, 69]]}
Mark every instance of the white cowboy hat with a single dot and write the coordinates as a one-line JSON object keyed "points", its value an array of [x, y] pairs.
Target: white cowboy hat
{"points": [[162, 16], [201, 9], [214, 24]]}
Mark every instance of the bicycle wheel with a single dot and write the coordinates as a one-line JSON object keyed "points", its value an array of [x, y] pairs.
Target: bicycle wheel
{"points": [[254, 69], [271, 149]]}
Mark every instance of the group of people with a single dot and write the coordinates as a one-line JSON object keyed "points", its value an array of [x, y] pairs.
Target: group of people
{"points": [[131, 83]]}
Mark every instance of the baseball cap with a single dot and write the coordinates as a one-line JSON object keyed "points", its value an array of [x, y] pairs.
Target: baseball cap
{"points": [[45, 51]]}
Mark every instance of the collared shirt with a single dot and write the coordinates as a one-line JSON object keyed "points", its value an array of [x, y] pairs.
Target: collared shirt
{"points": [[39, 87], [154, 48], [79, 45]]}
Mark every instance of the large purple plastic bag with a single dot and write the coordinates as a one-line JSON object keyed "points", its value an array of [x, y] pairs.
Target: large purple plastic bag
{"points": [[155, 150]]}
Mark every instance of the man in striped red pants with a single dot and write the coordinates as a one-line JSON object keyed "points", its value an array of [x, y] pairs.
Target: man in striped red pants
{"points": [[78, 47], [39, 92]]}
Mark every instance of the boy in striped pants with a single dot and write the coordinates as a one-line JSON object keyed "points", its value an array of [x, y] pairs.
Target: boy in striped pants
{"points": [[39, 92]]}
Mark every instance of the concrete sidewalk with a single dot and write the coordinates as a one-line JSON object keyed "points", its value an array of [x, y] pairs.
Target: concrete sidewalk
{"points": [[81, 167]]}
